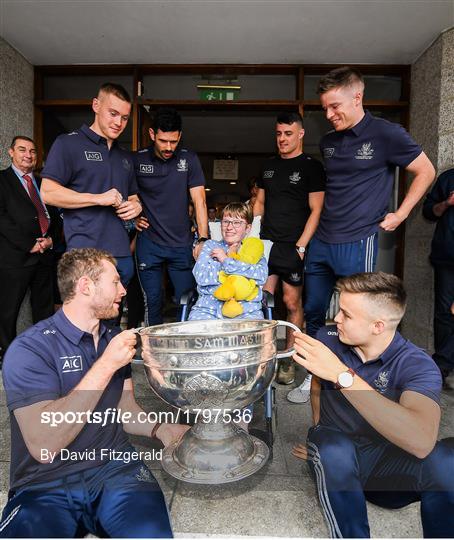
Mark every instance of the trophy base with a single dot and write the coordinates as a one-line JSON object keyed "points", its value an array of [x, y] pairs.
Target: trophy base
{"points": [[205, 456]]}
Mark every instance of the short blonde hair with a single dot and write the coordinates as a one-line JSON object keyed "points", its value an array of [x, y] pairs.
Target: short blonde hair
{"points": [[341, 77], [383, 289], [116, 90], [239, 210]]}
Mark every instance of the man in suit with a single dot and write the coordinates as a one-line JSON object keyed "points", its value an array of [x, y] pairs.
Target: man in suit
{"points": [[25, 241]]}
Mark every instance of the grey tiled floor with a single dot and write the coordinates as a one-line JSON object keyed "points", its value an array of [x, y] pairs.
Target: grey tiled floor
{"points": [[280, 500]]}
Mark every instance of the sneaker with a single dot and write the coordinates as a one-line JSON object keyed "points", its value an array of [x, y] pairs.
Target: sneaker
{"points": [[286, 373], [302, 393]]}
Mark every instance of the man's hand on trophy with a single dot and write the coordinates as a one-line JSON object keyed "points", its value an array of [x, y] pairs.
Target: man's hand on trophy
{"points": [[317, 358], [170, 433]]}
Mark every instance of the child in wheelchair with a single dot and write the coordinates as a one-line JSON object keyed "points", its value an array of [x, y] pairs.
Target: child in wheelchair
{"points": [[230, 273], [240, 260]]}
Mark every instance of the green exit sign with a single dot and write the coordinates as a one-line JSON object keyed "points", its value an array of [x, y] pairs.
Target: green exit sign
{"points": [[218, 94]]}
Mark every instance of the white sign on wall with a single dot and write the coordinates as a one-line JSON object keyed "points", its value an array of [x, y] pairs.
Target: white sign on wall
{"points": [[225, 169]]}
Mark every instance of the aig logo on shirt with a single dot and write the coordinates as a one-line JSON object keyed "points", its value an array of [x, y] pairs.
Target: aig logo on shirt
{"points": [[144, 168], [71, 363], [93, 156], [268, 174]]}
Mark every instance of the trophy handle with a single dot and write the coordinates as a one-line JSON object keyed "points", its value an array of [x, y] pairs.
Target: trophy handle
{"points": [[291, 351], [138, 330]]}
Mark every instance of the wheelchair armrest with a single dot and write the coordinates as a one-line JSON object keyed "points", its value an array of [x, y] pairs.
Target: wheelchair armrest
{"points": [[268, 299], [187, 297]]}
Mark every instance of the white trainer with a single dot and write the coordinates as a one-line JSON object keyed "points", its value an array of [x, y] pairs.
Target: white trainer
{"points": [[302, 393]]}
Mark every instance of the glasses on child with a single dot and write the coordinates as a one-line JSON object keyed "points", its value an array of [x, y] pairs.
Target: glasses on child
{"points": [[235, 223]]}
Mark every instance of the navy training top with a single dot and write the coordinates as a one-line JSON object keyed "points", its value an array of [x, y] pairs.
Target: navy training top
{"points": [[443, 239], [402, 366], [45, 363], [360, 168], [82, 161], [164, 190]]}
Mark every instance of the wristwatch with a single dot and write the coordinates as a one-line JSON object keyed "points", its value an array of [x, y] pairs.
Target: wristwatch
{"points": [[345, 379], [201, 239], [300, 249]]}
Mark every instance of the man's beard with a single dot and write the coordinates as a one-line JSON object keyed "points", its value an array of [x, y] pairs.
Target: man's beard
{"points": [[105, 311]]}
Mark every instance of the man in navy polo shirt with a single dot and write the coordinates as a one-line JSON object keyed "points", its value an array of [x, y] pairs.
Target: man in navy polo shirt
{"points": [[72, 473], [167, 176], [92, 178], [376, 415], [360, 157]]}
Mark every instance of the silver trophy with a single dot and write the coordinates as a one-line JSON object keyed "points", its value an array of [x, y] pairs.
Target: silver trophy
{"points": [[213, 369]]}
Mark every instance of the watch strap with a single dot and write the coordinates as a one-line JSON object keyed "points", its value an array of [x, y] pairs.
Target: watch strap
{"points": [[337, 386], [155, 429]]}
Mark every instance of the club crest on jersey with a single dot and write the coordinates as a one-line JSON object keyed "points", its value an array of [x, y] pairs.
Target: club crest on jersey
{"points": [[126, 164], [71, 363], [182, 165], [295, 177], [328, 152], [145, 168], [382, 381], [144, 475], [268, 174], [93, 156], [365, 152]]}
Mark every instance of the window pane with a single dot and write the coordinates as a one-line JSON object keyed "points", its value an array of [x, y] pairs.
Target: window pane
{"points": [[258, 87], [229, 132], [315, 126], [81, 86], [377, 87]]}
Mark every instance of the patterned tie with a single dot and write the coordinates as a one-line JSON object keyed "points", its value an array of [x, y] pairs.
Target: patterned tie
{"points": [[42, 214]]}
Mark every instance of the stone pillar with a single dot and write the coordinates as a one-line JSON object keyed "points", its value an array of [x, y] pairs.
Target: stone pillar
{"points": [[432, 126], [16, 117], [16, 98]]}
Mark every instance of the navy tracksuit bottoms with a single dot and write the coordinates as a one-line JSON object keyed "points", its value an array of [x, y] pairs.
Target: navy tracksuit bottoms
{"points": [[350, 470], [115, 500]]}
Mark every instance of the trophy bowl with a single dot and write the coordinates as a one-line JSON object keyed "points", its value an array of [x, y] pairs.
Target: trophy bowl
{"points": [[213, 369]]}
